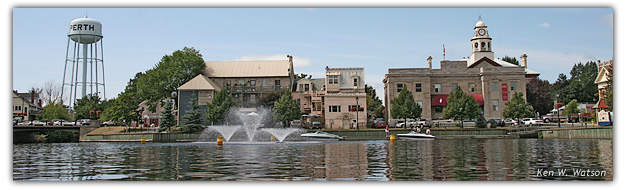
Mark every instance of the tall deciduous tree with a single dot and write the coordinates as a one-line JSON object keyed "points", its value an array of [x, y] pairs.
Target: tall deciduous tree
{"points": [[517, 108], [170, 73], [404, 106], [286, 109], [123, 109], [219, 106], [192, 119], [167, 117], [539, 95], [461, 106], [373, 103]]}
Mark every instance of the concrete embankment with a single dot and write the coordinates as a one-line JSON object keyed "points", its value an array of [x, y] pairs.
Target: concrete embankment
{"points": [[111, 135], [577, 133]]}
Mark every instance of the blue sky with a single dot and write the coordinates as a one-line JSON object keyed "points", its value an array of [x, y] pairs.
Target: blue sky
{"points": [[135, 39]]}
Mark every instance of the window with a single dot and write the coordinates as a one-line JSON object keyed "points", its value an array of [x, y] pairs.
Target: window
{"points": [[300, 87], [495, 105], [335, 108], [418, 87], [253, 82], [436, 87], [399, 87], [453, 86], [476, 45], [513, 85], [353, 108], [420, 103], [277, 82], [482, 45], [488, 45], [333, 79], [472, 87], [355, 82], [306, 87], [228, 83], [438, 109], [494, 86], [253, 98]]}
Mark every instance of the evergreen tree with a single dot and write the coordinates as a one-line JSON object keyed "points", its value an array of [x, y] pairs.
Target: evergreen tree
{"points": [[167, 117], [404, 106], [517, 108], [511, 60], [192, 119], [219, 106], [286, 109], [460, 106]]}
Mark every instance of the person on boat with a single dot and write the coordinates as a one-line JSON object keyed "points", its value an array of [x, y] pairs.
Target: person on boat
{"points": [[418, 130], [428, 132], [387, 131]]}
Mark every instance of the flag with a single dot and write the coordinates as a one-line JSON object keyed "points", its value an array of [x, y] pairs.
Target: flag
{"points": [[443, 52]]}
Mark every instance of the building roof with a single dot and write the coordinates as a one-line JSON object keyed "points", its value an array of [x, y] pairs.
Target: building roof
{"points": [[200, 82], [279, 68], [498, 63]]}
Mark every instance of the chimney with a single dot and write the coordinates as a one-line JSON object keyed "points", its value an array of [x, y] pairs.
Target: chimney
{"points": [[523, 60], [429, 61], [290, 58]]}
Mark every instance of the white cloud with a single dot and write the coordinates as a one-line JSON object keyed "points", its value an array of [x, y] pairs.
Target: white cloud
{"points": [[545, 25], [298, 61]]}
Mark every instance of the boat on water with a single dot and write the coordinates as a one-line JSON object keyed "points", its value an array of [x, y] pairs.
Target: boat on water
{"points": [[321, 135], [413, 134]]}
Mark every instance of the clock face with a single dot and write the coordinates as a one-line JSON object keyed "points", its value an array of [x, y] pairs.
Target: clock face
{"points": [[481, 32]]}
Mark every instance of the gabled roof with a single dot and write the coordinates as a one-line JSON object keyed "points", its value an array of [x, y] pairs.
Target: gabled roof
{"points": [[499, 63], [200, 82], [278, 68], [486, 59]]}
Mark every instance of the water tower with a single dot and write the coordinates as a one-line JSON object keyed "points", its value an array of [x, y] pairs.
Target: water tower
{"points": [[84, 54]]}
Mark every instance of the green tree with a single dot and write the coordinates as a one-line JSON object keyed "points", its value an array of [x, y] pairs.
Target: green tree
{"points": [[87, 107], [373, 103], [571, 109], [608, 91], [511, 60], [561, 87], [123, 109], [192, 119], [517, 108], [539, 95], [404, 106], [170, 73], [220, 106], [269, 99], [460, 106], [286, 109], [54, 111], [167, 117]]}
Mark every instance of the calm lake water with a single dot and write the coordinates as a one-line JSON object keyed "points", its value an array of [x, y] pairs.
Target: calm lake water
{"points": [[455, 159]]}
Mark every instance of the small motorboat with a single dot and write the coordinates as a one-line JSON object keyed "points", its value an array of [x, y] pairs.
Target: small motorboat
{"points": [[413, 134], [321, 135]]}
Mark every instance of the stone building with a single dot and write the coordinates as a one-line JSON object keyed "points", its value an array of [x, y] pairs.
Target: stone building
{"points": [[248, 81], [491, 82], [339, 99]]}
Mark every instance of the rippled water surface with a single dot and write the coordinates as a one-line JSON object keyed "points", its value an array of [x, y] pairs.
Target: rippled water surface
{"points": [[456, 159]]}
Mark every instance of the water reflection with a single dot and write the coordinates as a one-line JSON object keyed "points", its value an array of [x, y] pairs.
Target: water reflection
{"points": [[456, 159]]}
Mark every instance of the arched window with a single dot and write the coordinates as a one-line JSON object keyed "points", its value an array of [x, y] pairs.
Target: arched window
{"points": [[476, 45], [482, 45], [488, 45]]}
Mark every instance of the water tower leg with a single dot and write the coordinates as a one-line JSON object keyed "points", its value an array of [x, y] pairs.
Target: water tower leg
{"points": [[84, 70]]}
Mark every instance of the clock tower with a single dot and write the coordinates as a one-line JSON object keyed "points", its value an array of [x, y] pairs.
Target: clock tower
{"points": [[481, 43]]}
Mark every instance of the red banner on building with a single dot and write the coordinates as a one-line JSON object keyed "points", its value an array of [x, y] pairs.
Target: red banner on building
{"points": [[504, 91]]}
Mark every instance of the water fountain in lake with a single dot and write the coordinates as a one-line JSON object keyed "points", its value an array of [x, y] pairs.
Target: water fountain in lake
{"points": [[253, 122]]}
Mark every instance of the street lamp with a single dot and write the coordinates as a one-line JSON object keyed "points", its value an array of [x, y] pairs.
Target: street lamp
{"points": [[357, 111]]}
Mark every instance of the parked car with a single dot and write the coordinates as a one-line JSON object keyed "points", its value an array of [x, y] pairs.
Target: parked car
{"points": [[108, 123], [401, 123], [496, 123], [531, 121], [83, 122], [510, 122], [68, 123], [38, 123]]}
